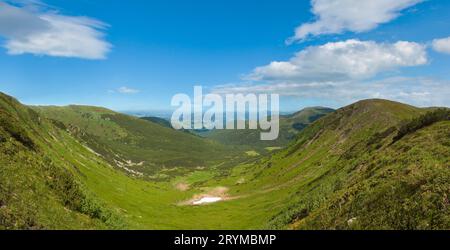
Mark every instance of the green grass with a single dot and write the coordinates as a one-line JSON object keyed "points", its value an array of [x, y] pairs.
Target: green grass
{"points": [[139, 145], [271, 149], [344, 171], [161, 121], [37, 192], [252, 153]]}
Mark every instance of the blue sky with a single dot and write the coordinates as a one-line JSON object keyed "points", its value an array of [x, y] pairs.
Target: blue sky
{"points": [[136, 55]]}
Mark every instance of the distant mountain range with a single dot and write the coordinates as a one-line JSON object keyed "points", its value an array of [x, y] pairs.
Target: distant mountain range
{"points": [[290, 126]]}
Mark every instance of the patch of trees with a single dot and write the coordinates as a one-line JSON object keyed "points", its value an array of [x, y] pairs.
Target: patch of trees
{"points": [[299, 126]]}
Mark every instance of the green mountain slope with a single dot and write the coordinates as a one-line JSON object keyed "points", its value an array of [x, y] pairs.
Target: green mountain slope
{"points": [[398, 186], [161, 121], [140, 147], [348, 171], [372, 165], [38, 184], [290, 126]]}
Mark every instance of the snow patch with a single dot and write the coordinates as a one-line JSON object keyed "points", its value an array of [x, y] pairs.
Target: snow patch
{"points": [[207, 200]]}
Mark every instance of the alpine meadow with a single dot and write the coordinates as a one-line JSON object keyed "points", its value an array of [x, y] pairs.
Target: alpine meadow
{"points": [[359, 102]]}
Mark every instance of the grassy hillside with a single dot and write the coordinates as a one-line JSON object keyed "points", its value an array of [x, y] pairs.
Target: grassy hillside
{"points": [[38, 185], [140, 147], [372, 165], [50, 180], [290, 126], [350, 170], [161, 121]]}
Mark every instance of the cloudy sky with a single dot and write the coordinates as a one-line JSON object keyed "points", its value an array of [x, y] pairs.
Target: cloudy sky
{"points": [[137, 55]]}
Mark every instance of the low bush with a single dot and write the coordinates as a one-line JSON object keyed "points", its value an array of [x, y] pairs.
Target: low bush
{"points": [[422, 122]]}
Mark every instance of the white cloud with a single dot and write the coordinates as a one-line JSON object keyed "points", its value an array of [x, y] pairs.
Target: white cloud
{"points": [[38, 31], [442, 45], [343, 61], [341, 73], [338, 16], [423, 92], [127, 90]]}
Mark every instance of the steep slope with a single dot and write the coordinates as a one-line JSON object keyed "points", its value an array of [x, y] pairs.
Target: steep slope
{"points": [[140, 147], [290, 125], [404, 185], [38, 187], [351, 169]]}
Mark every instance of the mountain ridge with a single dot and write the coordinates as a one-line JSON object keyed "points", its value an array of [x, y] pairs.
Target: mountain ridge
{"points": [[128, 140]]}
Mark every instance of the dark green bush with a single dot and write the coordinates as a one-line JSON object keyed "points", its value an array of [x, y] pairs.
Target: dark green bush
{"points": [[72, 195], [13, 128], [422, 122]]}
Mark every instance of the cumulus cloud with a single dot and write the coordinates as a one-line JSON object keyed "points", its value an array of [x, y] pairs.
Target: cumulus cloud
{"points": [[416, 91], [442, 45], [338, 16], [342, 61], [340, 73], [344, 72], [30, 28]]}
